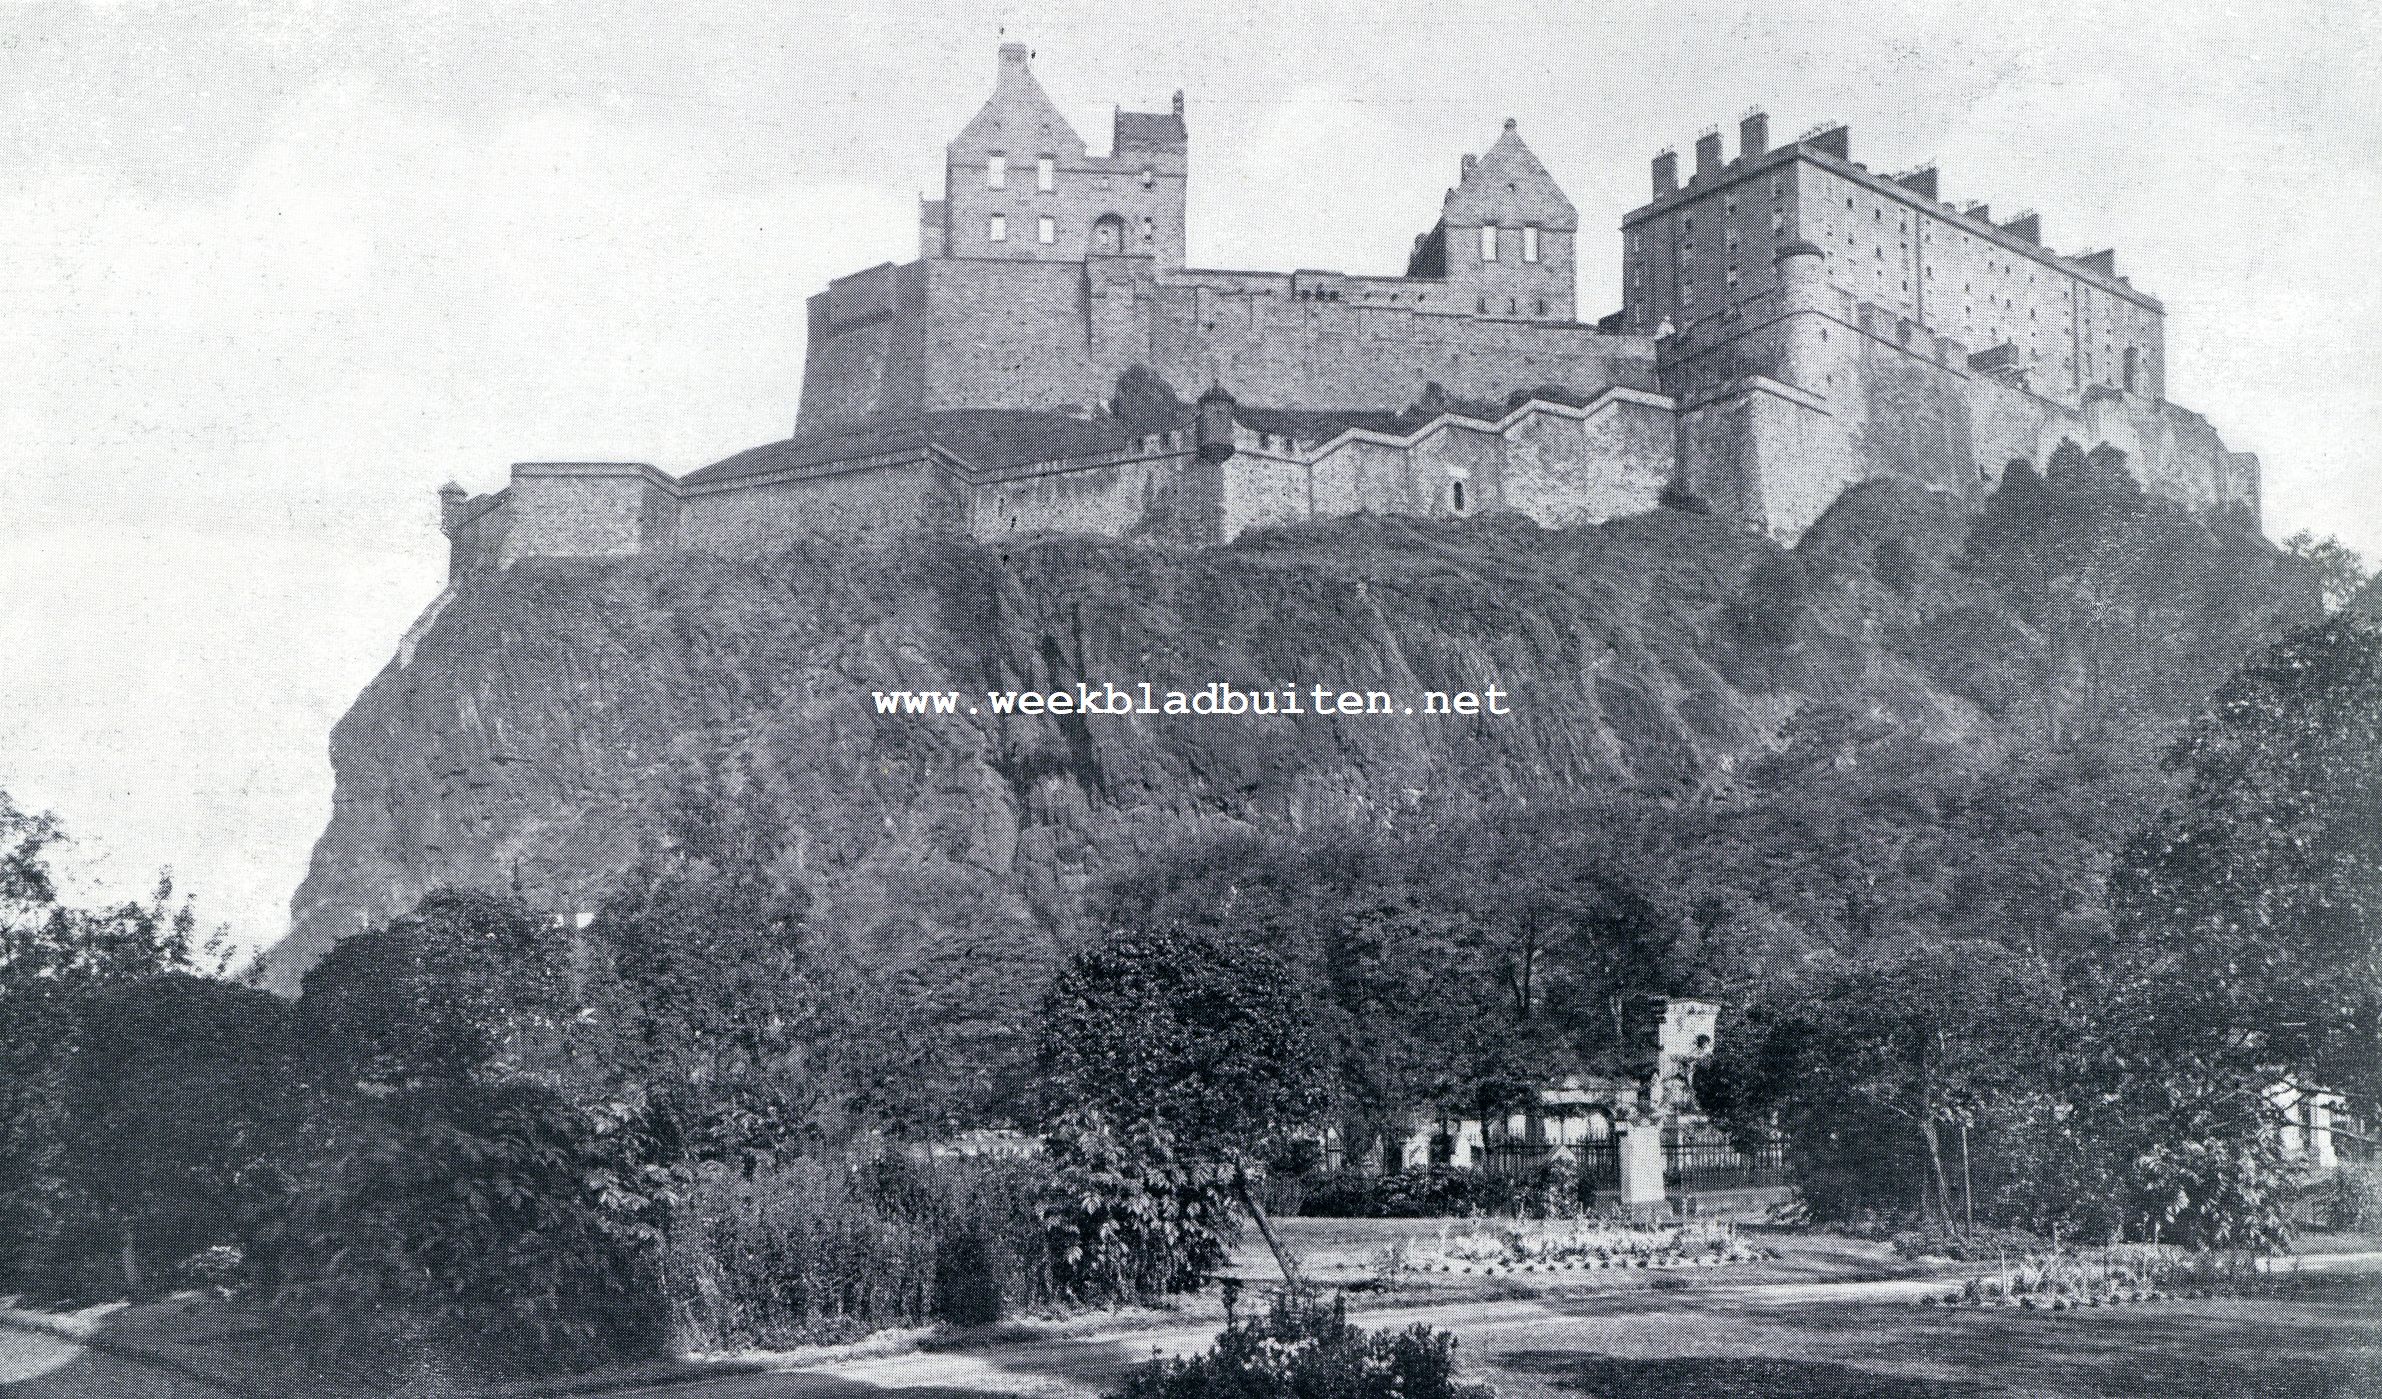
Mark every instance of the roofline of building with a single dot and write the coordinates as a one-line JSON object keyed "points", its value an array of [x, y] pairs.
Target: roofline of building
{"points": [[1742, 169]]}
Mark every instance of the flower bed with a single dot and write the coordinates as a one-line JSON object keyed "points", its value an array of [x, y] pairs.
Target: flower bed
{"points": [[1576, 1246], [2119, 1276]]}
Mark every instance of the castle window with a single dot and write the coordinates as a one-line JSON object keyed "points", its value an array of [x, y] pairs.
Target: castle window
{"points": [[1488, 242], [1688, 224], [1046, 174], [1732, 274], [1481, 304], [1777, 223], [1730, 204], [1529, 242], [1542, 305], [1513, 305], [999, 231], [1456, 493], [1046, 229], [1148, 177], [996, 172], [1149, 228], [1687, 293]]}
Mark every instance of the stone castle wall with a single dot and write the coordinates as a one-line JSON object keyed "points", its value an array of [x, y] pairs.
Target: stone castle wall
{"points": [[960, 333], [1559, 464], [1796, 393]]}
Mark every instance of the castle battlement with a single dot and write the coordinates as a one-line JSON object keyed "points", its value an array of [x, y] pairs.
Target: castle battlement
{"points": [[1792, 325]]}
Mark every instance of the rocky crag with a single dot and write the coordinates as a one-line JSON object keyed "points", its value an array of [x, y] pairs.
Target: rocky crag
{"points": [[542, 721]]}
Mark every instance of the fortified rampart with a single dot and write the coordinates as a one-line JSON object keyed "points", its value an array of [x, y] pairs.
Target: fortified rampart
{"points": [[1795, 326], [940, 334]]}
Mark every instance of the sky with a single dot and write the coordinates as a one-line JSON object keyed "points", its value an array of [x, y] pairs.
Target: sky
{"points": [[271, 273]]}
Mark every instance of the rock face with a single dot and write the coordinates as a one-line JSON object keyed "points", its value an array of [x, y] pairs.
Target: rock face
{"points": [[551, 709]]}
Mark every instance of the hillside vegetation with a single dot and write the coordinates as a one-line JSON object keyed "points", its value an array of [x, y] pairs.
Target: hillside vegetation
{"points": [[1917, 713]]}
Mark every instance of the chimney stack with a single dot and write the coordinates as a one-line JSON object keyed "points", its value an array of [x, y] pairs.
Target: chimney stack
{"points": [[1708, 155], [1753, 135], [1921, 182], [2028, 225], [1666, 173]]}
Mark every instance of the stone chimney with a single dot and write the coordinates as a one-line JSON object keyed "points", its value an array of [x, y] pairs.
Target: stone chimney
{"points": [[451, 498], [1708, 155], [1753, 135], [1666, 173]]}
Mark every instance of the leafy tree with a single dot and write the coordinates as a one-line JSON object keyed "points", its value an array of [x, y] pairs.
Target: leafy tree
{"points": [[1869, 1068], [2251, 911], [1145, 402], [179, 1100], [710, 1006], [1192, 1032], [1187, 1027], [467, 986], [2340, 572], [2128, 605], [494, 1225], [53, 957]]}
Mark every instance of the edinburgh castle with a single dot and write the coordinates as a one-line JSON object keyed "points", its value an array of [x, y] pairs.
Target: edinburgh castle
{"points": [[1792, 324]]}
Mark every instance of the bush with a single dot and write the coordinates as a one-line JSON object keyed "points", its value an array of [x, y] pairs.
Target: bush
{"points": [[490, 1227], [814, 1251], [2353, 1197], [1132, 1218], [1302, 1348]]}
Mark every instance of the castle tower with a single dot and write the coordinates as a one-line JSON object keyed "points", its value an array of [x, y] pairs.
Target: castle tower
{"points": [[1504, 239], [1800, 268], [1020, 185]]}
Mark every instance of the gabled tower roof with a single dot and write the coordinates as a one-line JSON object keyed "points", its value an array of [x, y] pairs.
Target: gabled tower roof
{"points": [[1019, 118], [1508, 185]]}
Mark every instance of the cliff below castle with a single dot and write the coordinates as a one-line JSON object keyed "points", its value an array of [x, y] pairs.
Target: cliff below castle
{"points": [[551, 709]]}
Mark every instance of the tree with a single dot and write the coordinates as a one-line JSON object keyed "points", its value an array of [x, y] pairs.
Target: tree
{"points": [[53, 957], [1145, 402], [2340, 573], [446, 993], [1866, 1069], [179, 1100], [2251, 911], [708, 1004], [1192, 1031]]}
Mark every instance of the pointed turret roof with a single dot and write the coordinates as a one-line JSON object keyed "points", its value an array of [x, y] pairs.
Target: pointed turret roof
{"points": [[1019, 118], [1508, 185]]}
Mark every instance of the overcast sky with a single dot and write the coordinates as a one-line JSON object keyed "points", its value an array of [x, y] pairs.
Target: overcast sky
{"points": [[269, 274]]}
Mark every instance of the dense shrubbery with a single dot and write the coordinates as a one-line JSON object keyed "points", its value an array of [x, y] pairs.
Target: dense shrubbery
{"points": [[1303, 1349], [495, 1227], [2352, 1199], [1432, 1192], [813, 1251], [1132, 1214]]}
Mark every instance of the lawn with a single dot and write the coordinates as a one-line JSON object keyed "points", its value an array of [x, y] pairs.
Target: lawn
{"points": [[2321, 1336]]}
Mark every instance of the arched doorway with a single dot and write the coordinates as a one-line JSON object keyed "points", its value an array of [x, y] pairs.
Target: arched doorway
{"points": [[1108, 235]]}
